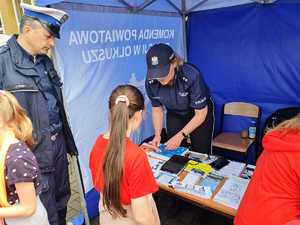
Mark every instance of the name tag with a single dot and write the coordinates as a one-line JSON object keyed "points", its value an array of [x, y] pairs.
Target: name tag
{"points": [[156, 97], [183, 94]]}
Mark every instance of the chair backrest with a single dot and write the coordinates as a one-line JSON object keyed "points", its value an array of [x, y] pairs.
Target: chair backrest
{"points": [[241, 109], [236, 116]]}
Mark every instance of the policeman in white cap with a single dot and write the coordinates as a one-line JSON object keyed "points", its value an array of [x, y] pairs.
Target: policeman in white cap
{"points": [[50, 18], [28, 73]]}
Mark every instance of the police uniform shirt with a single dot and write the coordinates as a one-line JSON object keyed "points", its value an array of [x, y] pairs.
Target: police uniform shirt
{"points": [[188, 92], [45, 86]]}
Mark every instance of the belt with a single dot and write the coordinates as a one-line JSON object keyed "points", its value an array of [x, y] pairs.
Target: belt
{"points": [[54, 136]]}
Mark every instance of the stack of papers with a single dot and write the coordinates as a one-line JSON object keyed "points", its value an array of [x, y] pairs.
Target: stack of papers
{"points": [[165, 178], [169, 153], [192, 178], [232, 192], [193, 189], [196, 156], [155, 164], [212, 181], [165, 154], [232, 169], [248, 172]]}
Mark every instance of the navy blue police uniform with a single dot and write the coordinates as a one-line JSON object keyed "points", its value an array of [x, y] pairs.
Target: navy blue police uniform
{"points": [[37, 86], [187, 93]]}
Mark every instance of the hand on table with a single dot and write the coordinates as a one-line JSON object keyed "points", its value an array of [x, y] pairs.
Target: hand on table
{"points": [[174, 142], [148, 147], [156, 141]]}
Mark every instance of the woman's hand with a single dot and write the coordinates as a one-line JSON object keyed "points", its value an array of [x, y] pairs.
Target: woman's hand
{"points": [[174, 142], [156, 141]]}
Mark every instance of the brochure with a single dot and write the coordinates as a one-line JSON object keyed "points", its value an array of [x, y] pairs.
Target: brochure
{"points": [[212, 181], [232, 192]]}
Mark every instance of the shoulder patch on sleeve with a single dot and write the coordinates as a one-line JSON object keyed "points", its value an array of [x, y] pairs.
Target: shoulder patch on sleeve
{"points": [[3, 48]]}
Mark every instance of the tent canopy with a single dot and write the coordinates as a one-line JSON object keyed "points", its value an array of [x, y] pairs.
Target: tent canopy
{"points": [[180, 6]]}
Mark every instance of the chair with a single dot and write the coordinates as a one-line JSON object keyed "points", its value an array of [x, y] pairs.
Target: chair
{"points": [[233, 141]]}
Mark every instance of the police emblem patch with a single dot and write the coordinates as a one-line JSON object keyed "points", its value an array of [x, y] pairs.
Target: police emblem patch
{"points": [[154, 60]]}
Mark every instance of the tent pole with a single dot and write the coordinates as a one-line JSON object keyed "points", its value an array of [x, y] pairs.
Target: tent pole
{"points": [[184, 16]]}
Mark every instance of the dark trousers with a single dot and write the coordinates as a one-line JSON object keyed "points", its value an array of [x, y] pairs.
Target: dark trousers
{"points": [[56, 185], [201, 137]]}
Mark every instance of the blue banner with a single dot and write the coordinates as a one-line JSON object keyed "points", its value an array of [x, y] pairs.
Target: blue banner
{"points": [[98, 51]]}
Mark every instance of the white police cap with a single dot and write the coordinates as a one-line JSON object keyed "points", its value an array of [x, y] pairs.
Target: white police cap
{"points": [[51, 18]]}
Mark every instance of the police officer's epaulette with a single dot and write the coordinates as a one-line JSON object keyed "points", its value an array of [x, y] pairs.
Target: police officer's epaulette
{"points": [[153, 81], [193, 69], [3, 48]]}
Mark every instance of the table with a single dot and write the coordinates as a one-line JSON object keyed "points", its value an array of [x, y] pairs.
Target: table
{"points": [[209, 204], [202, 202]]}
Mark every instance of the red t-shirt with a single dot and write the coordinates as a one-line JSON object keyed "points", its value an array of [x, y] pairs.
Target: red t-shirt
{"points": [[273, 194], [137, 179]]}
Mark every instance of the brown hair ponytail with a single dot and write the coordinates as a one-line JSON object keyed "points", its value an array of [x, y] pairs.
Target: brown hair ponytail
{"points": [[124, 101]]}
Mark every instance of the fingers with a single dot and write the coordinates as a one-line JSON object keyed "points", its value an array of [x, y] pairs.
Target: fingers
{"points": [[170, 145]]}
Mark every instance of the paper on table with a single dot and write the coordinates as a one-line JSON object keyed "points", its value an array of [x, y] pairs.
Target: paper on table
{"points": [[192, 178], [165, 178], [248, 172], [197, 190], [210, 159], [197, 156], [232, 192], [212, 181], [158, 156], [169, 153], [232, 169], [155, 163]]}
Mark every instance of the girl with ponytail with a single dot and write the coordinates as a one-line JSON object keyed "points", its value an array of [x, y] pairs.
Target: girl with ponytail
{"points": [[120, 169], [19, 173]]}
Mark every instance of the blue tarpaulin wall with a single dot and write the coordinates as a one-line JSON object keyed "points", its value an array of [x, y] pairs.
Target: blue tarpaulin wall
{"points": [[249, 53]]}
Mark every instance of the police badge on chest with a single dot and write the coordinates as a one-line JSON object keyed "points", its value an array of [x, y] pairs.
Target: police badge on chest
{"points": [[183, 94]]}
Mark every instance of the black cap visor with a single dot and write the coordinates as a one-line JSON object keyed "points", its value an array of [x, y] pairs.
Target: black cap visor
{"points": [[52, 29], [158, 73]]}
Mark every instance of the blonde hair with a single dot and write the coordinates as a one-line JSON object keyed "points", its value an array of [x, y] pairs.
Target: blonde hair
{"points": [[15, 118], [291, 125], [178, 61]]}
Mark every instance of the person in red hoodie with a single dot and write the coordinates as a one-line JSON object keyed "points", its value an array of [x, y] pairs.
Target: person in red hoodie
{"points": [[273, 194]]}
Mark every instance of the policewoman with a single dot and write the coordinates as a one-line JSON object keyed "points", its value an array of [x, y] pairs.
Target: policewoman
{"points": [[178, 88]]}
